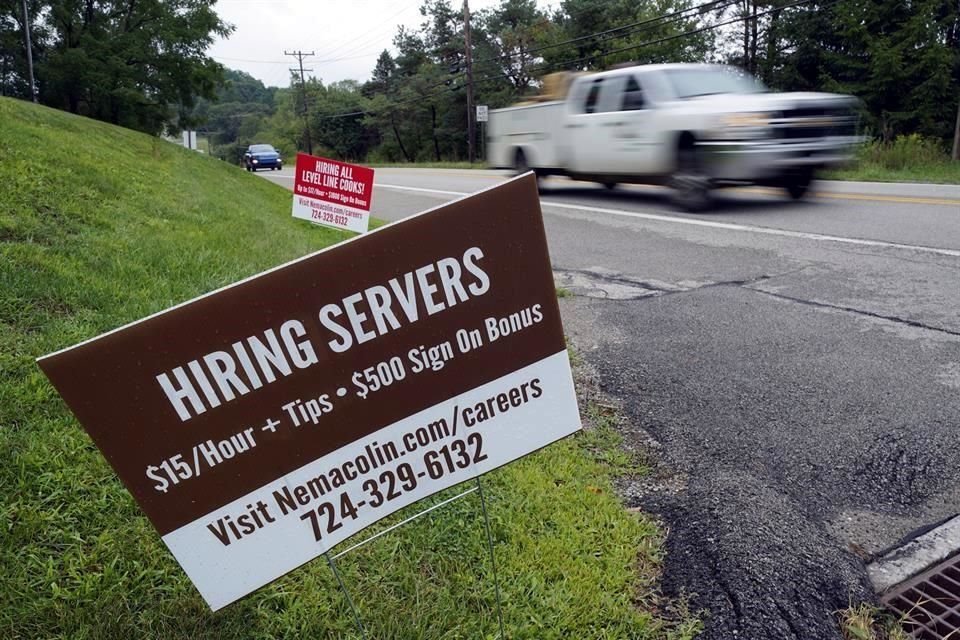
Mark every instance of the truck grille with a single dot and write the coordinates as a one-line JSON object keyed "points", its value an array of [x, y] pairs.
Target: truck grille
{"points": [[815, 122]]}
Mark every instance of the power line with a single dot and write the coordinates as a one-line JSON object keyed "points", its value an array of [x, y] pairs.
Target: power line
{"points": [[642, 26], [630, 27], [556, 44], [697, 31], [365, 35], [567, 63], [328, 60]]}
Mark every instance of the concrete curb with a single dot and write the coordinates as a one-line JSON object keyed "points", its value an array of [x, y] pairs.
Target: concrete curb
{"points": [[903, 189], [914, 557]]}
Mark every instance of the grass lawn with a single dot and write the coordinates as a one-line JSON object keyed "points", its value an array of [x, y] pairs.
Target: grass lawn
{"points": [[906, 159], [100, 226], [946, 173]]}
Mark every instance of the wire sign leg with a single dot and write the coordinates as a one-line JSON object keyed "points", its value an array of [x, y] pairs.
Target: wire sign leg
{"points": [[493, 560], [346, 594]]}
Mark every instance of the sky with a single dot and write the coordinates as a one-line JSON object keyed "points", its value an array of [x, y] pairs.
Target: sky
{"points": [[346, 36]]}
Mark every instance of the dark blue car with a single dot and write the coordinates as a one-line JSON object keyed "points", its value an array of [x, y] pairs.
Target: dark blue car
{"points": [[262, 156]]}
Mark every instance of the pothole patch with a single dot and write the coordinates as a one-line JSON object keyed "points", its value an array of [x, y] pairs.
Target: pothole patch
{"points": [[949, 375], [597, 282]]}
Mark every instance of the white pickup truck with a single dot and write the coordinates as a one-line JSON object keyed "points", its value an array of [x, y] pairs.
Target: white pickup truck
{"points": [[693, 127]]}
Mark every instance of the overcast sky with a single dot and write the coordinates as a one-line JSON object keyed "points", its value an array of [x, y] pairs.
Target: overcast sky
{"points": [[346, 35]]}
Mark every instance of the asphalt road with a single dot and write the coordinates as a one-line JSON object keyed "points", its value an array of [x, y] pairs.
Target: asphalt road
{"points": [[791, 369]]}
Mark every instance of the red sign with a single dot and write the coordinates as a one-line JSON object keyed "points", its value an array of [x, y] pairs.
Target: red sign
{"points": [[332, 193]]}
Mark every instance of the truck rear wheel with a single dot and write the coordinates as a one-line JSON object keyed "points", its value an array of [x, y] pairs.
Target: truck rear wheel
{"points": [[690, 183], [521, 165]]}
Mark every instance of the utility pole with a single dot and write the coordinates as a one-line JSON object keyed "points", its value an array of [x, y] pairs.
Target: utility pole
{"points": [[26, 37], [956, 137], [471, 115], [300, 55]]}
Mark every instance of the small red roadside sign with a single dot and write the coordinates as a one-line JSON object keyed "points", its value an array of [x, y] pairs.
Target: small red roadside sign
{"points": [[331, 193]]}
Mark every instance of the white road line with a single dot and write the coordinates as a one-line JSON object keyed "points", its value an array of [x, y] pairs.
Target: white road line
{"points": [[730, 226]]}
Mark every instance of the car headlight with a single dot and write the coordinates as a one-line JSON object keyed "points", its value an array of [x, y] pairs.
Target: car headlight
{"points": [[255, 161]]}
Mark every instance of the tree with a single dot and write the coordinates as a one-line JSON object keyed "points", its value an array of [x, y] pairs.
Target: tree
{"points": [[581, 20], [346, 136], [136, 63], [902, 59], [13, 53], [515, 28]]}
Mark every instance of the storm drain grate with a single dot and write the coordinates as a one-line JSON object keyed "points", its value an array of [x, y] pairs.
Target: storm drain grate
{"points": [[928, 605]]}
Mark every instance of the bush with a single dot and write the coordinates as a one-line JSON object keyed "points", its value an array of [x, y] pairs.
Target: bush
{"points": [[904, 152]]}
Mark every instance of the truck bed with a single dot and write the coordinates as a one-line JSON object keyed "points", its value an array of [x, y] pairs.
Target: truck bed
{"points": [[537, 129]]}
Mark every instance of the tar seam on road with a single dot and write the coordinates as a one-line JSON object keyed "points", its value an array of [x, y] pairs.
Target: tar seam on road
{"points": [[730, 226], [859, 312]]}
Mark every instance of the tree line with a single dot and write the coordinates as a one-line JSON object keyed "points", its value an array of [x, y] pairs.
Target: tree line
{"points": [[142, 64]]}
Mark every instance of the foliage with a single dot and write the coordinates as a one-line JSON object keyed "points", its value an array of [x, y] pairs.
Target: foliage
{"points": [[910, 158], [143, 66], [901, 59], [138, 64], [905, 151], [101, 226], [579, 19]]}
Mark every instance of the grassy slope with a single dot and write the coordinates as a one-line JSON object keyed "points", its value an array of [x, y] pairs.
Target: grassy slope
{"points": [[100, 226]]}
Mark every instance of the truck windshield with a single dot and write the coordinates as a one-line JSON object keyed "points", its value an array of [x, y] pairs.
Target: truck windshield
{"points": [[691, 83]]}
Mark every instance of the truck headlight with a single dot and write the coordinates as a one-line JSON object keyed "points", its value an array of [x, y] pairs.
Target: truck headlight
{"points": [[746, 120], [742, 126]]}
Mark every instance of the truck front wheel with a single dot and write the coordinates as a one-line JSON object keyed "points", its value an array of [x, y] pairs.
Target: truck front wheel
{"points": [[797, 183], [690, 183]]}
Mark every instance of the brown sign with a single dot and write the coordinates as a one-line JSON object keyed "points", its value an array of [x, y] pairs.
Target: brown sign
{"points": [[261, 424]]}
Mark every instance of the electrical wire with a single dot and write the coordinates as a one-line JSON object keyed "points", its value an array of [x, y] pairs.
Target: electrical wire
{"points": [[568, 63]]}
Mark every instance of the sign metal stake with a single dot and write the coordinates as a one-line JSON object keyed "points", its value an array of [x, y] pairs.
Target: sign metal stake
{"points": [[346, 594], [493, 559]]}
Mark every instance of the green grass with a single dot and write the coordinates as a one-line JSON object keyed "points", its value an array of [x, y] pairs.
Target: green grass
{"points": [[906, 159], [100, 226], [870, 172], [864, 622]]}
